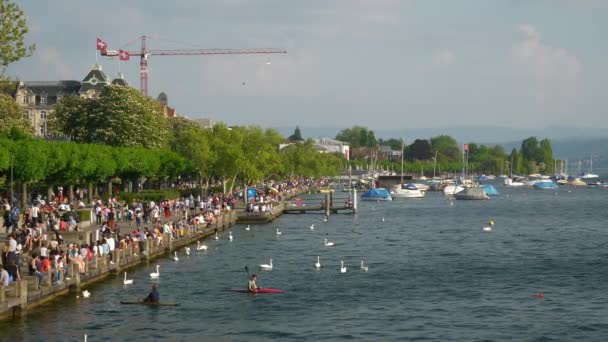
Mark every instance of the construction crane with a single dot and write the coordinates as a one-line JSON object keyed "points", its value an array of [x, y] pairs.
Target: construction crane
{"points": [[145, 53]]}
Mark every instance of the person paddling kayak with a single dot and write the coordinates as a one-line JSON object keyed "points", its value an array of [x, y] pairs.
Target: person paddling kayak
{"points": [[154, 296], [253, 287]]}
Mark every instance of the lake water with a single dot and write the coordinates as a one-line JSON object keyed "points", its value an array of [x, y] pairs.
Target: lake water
{"points": [[434, 274]]}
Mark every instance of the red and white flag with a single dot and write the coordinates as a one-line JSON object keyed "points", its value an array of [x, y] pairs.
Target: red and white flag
{"points": [[465, 147], [101, 45], [123, 55]]}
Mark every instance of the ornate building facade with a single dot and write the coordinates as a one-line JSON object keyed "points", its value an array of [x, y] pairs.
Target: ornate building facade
{"points": [[38, 98]]}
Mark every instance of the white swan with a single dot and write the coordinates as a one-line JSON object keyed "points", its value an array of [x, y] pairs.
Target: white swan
{"points": [[318, 263], [312, 227], [342, 268], [86, 294], [216, 237], [230, 236], [247, 228], [487, 229], [382, 218], [157, 274], [363, 267], [187, 249], [200, 247], [279, 232], [267, 267], [127, 281], [325, 219], [175, 257], [329, 243]]}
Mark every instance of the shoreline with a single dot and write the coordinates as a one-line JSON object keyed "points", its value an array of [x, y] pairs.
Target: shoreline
{"points": [[24, 297]]}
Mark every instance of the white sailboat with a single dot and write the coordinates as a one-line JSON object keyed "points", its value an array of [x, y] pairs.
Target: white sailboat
{"points": [[402, 190]]}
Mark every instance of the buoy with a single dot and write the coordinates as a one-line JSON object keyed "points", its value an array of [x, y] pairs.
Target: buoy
{"points": [[491, 222]]}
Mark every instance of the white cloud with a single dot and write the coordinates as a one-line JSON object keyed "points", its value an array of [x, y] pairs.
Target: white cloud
{"points": [[441, 58], [555, 69]]}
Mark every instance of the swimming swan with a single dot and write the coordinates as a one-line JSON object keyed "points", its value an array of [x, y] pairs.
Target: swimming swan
{"points": [[342, 268], [318, 263], [363, 267], [329, 243], [157, 274], [200, 247], [267, 267], [127, 281]]}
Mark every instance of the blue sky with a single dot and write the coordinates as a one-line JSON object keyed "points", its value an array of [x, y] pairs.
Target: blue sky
{"points": [[386, 64]]}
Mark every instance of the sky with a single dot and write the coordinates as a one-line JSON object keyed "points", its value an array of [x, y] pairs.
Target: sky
{"points": [[384, 64]]}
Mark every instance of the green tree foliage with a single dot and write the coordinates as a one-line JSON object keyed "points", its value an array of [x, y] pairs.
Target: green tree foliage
{"points": [[121, 116], [358, 136], [420, 149], [296, 136], [11, 116], [446, 147], [13, 27], [536, 156]]}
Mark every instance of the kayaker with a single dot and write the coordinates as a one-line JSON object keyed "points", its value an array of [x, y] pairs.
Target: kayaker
{"points": [[253, 287], [154, 296]]}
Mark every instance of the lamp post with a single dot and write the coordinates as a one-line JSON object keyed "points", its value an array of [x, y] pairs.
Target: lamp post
{"points": [[12, 190]]}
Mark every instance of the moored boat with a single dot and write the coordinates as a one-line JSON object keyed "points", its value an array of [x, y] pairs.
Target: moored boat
{"points": [[406, 191], [376, 194], [545, 184], [472, 193]]}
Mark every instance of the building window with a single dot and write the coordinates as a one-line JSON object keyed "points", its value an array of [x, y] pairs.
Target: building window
{"points": [[26, 115], [42, 130], [26, 99], [42, 100], [43, 115]]}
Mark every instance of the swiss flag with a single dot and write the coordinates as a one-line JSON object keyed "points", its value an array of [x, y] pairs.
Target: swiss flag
{"points": [[101, 45], [465, 147], [123, 55]]}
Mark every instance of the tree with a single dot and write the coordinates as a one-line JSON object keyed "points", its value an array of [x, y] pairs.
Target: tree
{"points": [[13, 28], [296, 136], [446, 146], [546, 154], [70, 118], [419, 150], [357, 137], [11, 116], [121, 116]]}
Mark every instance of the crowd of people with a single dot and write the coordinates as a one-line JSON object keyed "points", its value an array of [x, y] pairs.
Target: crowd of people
{"points": [[36, 233]]}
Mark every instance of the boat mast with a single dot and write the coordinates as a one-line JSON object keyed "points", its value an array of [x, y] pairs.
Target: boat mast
{"points": [[435, 166], [402, 161]]}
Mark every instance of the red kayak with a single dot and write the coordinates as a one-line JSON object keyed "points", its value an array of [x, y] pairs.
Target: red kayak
{"points": [[264, 290]]}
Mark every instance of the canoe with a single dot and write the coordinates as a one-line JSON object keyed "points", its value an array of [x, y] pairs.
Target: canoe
{"points": [[264, 290], [151, 304]]}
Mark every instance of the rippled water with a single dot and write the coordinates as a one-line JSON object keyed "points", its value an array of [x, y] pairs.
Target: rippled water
{"points": [[434, 275]]}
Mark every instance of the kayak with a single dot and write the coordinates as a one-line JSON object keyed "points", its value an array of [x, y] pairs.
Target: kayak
{"points": [[264, 290], [151, 304]]}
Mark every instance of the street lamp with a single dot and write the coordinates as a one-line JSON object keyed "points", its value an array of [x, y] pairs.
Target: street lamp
{"points": [[12, 190]]}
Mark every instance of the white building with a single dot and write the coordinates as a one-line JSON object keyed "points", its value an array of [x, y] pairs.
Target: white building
{"points": [[327, 145]]}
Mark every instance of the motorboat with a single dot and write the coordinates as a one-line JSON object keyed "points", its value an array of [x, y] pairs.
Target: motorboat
{"points": [[376, 194], [545, 184], [406, 191], [472, 193], [489, 189]]}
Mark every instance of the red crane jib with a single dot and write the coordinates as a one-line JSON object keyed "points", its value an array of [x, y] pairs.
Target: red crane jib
{"points": [[144, 53]]}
